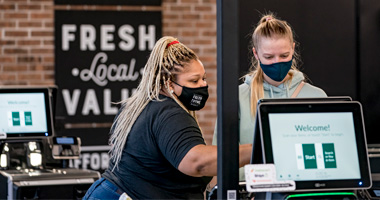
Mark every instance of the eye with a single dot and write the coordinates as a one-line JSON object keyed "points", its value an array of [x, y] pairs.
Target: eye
{"points": [[268, 57], [284, 56]]}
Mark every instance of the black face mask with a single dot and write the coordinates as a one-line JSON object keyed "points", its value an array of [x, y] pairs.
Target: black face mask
{"points": [[193, 98]]}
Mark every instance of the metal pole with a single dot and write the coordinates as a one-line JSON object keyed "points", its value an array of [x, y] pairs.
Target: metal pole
{"points": [[227, 103]]}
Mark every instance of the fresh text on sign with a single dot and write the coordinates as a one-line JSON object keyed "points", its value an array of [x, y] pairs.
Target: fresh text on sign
{"points": [[87, 38]]}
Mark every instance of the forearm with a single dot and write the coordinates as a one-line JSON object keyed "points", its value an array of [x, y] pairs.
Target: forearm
{"points": [[201, 160], [245, 151]]}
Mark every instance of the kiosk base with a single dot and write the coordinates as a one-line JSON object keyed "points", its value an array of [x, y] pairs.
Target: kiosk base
{"points": [[46, 184], [244, 195]]}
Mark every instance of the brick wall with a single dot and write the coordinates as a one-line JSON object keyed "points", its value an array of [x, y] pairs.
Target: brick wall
{"points": [[27, 41]]}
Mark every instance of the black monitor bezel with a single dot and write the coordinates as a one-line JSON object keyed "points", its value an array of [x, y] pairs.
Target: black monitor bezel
{"points": [[306, 99], [306, 107], [257, 156], [48, 113]]}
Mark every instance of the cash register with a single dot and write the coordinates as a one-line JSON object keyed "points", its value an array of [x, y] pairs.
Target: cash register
{"points": [[32, 159]]}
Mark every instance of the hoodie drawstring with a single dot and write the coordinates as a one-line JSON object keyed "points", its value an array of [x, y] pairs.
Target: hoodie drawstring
{"points": [[287, 89], [271, 92]]}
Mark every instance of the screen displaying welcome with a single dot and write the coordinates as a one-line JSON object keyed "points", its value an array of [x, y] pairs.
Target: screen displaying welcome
{"points": [[22, 113], [314, 146]]}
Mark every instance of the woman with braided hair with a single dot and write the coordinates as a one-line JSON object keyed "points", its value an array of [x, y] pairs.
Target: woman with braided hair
{"points": [[158, 151]]}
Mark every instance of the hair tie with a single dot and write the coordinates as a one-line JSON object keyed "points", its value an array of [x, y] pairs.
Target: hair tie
{"points": [[171, 43], [268, 18]]}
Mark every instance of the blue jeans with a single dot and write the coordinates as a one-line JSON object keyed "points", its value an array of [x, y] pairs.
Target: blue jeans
{"points": [[102, 189]]}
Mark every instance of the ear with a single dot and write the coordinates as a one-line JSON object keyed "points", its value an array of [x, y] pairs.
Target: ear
{"points": [[255, 53], [170, 85]]}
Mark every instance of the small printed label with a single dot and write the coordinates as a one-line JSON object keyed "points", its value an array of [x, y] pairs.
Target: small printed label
{"points": [[262, 178]]}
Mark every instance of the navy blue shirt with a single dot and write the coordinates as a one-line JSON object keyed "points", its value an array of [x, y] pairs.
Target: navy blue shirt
{"points": [[161, 136]]}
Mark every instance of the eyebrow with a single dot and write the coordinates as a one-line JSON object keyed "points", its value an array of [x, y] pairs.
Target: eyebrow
{"points": [[196, 75], [268, 54]]}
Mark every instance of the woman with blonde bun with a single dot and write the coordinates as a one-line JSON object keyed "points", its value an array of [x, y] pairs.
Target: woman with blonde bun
{"points": [[274, 74]]}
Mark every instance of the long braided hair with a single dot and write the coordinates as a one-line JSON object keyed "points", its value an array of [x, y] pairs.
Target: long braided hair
{"points": [[167, 59]]}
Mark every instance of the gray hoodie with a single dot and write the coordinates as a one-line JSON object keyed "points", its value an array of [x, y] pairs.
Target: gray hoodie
{"points": [[285, 90]]}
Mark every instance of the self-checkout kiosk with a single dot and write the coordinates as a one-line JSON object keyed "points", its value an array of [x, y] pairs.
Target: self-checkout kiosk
{"points": [[319, 145], [33, 162], [310, 148]]}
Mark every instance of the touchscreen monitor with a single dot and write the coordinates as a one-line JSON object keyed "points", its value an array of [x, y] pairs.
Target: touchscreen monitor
{"points": [[319, 145], [25, 112]]}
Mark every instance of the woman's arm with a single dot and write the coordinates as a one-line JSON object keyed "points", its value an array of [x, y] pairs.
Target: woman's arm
{"points": [[201, 160]]}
